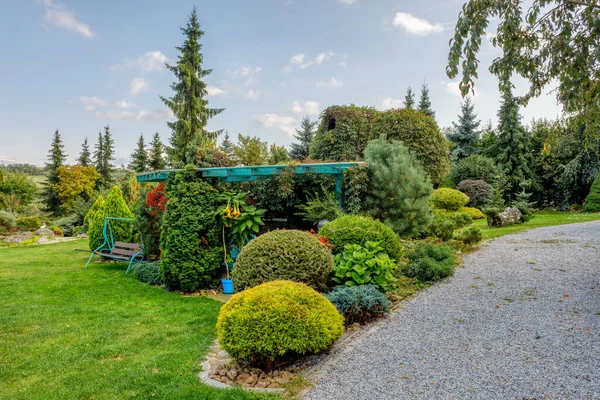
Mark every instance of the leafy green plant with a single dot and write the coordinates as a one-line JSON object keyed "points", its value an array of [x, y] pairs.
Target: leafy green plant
{"points": [[359, 303], [368, 265], [357, 229], [148, 272], [449, 199], [285, 254], [29, 223], [277, 321], [318, 209], [431, 262]]}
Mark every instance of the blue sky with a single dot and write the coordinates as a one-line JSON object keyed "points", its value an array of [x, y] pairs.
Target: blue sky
{"points": [[80, 65]]}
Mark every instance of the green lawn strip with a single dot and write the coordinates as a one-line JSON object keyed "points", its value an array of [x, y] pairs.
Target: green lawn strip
{"points": [[540, 220], [67, 333]]}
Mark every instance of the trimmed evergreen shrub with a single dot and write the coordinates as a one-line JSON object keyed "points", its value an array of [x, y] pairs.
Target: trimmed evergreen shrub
{"points": [[190, 243], [283, 255], [89, 216], [475, 213], [469, 235], [431, 262], [277, 321], [399, 189], [448, 199], [148, 272], [114, 206], [478, 191], [359, 303], [474, 167], [364, 265], [29, 223], [442, 227], [357, 229]]}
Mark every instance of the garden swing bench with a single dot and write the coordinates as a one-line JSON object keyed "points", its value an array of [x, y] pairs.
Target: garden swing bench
{"points": [[118, 251]]}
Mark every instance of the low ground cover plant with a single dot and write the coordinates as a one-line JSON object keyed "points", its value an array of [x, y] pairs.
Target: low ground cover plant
{"points": [[359, 304], [148, 272]]}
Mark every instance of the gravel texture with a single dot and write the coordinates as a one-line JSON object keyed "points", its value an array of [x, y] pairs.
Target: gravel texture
{"points": [[521, 320]]}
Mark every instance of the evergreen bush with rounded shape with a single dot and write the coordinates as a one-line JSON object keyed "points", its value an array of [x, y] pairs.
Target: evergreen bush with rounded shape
{"points": [[442, 227], [475, 213], [148, 272], [431, 262], [114, 206], [277, 321], [29, 223], [357, 229], [469, 235], [190, 244], [474, 167], [359, 303], [478, 191], [89, 216], [283, 255], [592, 201], [449, 199]]}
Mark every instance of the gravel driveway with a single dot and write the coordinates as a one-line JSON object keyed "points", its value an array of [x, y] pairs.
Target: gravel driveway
{"points": [[521, 320]]}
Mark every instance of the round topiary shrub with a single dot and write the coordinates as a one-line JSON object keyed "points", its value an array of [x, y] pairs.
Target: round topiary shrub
{"points": [[283, 255], [277, 321], [356, 229], [478, 191], [592, 201], [475, 213], [449, 199]]}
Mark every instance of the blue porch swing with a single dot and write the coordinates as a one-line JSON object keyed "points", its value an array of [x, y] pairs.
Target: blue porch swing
{"points": [[118, 251]]}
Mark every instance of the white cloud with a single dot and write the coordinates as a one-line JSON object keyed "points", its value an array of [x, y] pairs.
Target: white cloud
{"points": [[348, 2], [281, 122], [89, 100], [323, 56], [332, 83], [252, 94], [138, 85], [58, 16], [390, 102], [308, 108], [125, 104], [214, 91], [151, 61], [245, 71], [416, 26], [297, 59], [89, 107], [453, 88], [140, 115]]}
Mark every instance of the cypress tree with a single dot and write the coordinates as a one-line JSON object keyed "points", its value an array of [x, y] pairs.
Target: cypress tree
{"points": [[425, 103], [85, 156], [304, 136], [227, 145], [139, 158], [114, 206], [510, 149], [465, 135], [409, 99], [156, 160], [189, 104], [108, 153], [56, 158]]}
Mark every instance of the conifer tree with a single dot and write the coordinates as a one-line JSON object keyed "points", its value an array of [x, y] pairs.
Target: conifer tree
{"points": [[85, 159], [56, 158], [108, 156], [465, 135], [139, 158], [99, 153], [189, 103], [409, 99], [425, 102], [510, 149], [227, 145], [156, 160], [304, 136]]}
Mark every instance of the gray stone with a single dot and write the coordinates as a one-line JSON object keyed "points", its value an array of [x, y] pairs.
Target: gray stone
{"points": [[509, 216], [43, 231]]}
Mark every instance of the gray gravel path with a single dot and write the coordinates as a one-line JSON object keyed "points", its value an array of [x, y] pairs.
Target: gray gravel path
{"points": [[521, 320]]}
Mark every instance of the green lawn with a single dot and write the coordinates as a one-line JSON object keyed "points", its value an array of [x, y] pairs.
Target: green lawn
{"points": [[70, 333], [540, 220]]}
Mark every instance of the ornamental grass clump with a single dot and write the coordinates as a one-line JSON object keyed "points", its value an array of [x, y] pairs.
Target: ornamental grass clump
{"points": [[277, 321], [283, 255]]}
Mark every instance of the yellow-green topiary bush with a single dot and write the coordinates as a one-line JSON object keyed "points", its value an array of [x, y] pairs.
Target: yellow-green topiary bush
{"points": [[286, 254], [449, 199], [475, 213], [277, 321]]}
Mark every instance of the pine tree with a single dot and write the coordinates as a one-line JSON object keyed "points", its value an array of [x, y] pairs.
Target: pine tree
{"points": [[139, 158], [227, 145], [465, 135], [425, 103], [56, 158], [409, 99], [510, 149], [304, 136], [189, 105], [108, 156], [85, 156], [156, 160]]}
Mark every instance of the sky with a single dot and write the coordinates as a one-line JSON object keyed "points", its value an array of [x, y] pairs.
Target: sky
{"points": [[78, 66]]}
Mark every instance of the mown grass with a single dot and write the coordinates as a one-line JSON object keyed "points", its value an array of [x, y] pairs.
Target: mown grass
{"points": [[70, 333], [540, 220]]}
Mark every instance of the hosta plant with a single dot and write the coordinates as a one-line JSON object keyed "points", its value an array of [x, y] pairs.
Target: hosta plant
{"points": [[368, 265]]}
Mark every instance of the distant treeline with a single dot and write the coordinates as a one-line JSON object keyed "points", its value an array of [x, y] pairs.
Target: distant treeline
{"points": [[23, 168]]}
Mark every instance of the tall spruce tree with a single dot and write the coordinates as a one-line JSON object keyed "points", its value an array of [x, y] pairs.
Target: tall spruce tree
{"points": [[304, 136], [409, 99], [425, 102], [139, 158], [189, 104], [227, 145], [510, 149], [56, 158], [85, 158], [465, 135], [156, 159], [99, 155]]}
